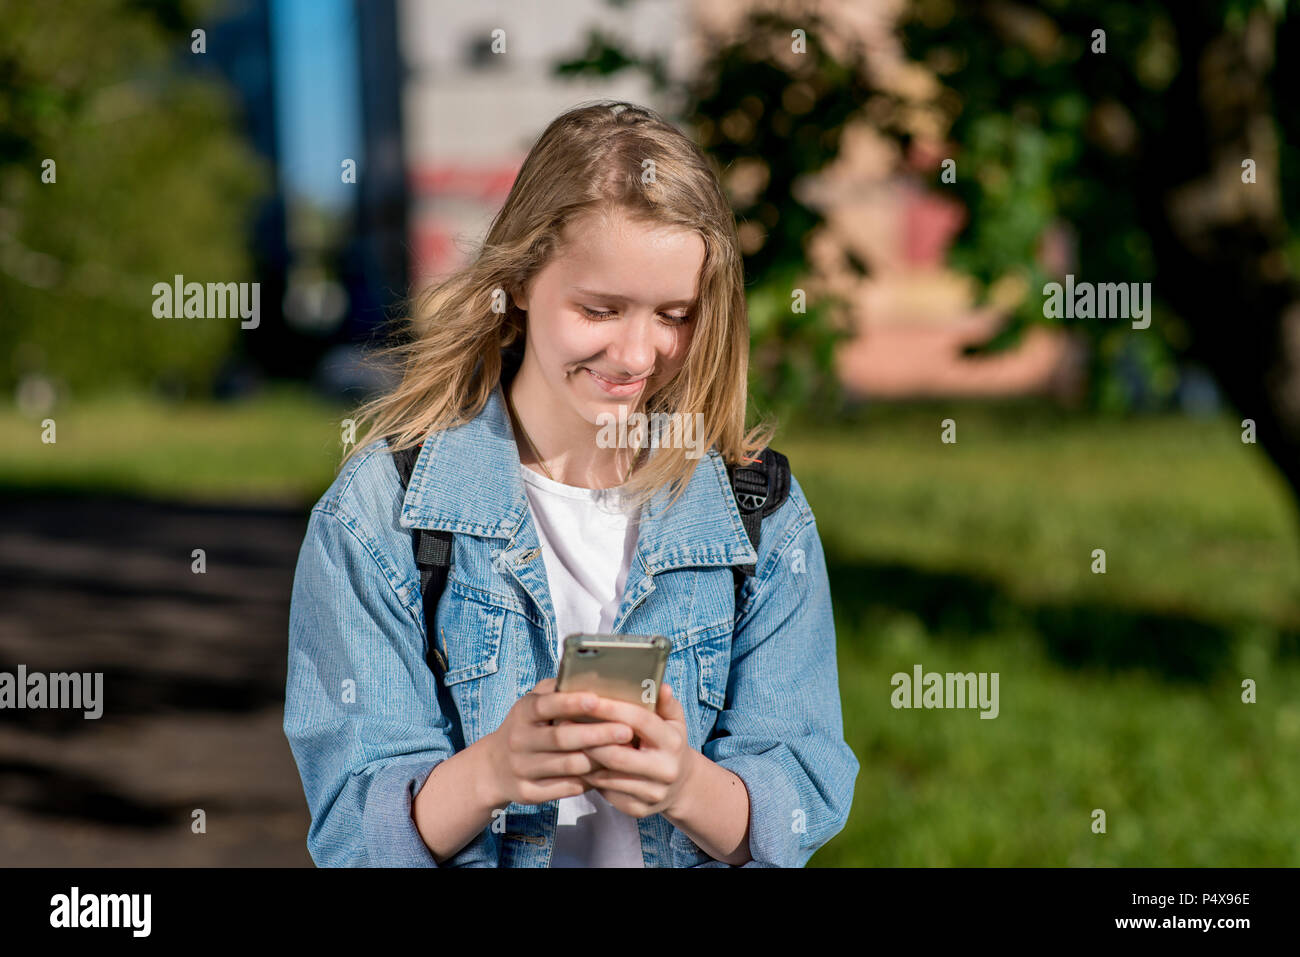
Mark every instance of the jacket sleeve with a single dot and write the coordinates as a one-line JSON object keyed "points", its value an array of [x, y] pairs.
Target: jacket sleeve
{"points": [[781, 731], [361, 710]]}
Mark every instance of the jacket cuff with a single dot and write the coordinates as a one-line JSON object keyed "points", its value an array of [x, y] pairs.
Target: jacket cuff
{"points": [[391, 837], [775, 813]]}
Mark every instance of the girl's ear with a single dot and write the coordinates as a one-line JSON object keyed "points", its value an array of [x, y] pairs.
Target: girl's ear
{"points": [[519, 296]]}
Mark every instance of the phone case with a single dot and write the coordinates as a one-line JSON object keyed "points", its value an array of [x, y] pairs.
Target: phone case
{"points": [[625, 667]]}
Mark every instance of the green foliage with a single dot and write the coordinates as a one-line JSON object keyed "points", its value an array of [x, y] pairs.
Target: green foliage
{"points": [[1049, 134], [151, 181], [791, 352]]}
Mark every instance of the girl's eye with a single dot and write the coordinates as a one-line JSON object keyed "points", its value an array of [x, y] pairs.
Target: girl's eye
{"points": [[605, 314]]}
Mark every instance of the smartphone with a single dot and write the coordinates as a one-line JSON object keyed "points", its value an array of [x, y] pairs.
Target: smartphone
{"points": [[626, 667]]}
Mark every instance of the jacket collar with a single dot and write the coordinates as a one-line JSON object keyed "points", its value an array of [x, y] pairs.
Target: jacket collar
{"points": [[466, 479]]}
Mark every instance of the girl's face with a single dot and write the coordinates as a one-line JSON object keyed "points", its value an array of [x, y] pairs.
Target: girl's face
{"points": [[610, 317]]}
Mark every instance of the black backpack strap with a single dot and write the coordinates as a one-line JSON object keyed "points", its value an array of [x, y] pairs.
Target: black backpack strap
{"points": [[760, 488], [432, 557]]}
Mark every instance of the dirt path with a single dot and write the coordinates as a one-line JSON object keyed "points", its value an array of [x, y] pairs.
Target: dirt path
{"points": [[193, 696]]}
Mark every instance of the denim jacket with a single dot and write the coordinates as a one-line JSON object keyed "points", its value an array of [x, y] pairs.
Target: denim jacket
{"points": [[367, 720]]}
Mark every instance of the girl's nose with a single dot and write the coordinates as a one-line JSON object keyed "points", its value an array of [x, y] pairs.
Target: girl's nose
{"points": [[632, 350]]}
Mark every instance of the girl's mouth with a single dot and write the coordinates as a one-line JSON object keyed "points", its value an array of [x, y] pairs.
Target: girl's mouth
{"points": [[619, 389]]}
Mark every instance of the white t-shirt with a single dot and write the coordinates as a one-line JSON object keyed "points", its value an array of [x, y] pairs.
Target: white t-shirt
{"points": [[587, 545]]}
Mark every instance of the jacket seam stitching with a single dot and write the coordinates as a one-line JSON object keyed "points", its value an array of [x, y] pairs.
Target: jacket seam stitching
{"points": [[348, 521], [362, 458]]}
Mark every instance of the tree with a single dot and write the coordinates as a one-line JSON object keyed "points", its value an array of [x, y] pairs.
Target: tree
{"points": [[117, 171], [1167, 137]]}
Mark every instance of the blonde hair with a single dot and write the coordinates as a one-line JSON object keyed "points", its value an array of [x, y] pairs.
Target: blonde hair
{"points": [[590, 159]]}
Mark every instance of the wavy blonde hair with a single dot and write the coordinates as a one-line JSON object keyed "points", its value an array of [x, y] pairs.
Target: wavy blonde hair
{"points": [[591, 159]]}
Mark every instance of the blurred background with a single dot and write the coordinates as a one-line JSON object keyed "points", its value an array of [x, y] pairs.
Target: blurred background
{"points": [[907, 177]]}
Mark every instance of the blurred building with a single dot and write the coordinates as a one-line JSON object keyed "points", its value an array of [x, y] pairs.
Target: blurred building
{"points": [[479, 89]]}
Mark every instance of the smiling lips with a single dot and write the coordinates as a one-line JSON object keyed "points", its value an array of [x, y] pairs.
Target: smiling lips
{"points": [[615, 387]]}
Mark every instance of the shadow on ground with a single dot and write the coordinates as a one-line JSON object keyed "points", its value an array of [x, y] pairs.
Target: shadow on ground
{"points": [[1092, 636], [194, 671]]}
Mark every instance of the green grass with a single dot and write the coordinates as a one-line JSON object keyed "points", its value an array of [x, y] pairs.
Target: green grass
{"points": [[1119, 691], [282, 447]]}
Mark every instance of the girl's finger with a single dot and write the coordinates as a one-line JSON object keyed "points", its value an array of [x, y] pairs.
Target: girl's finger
{"points": [[631, 761], [551, 789], [648, 725], [625, 802], [574, 735], [552, 764], [639, 788], [562, 704]]}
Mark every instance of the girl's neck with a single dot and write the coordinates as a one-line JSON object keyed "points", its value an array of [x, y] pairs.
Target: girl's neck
{"points": [[563, 440]]}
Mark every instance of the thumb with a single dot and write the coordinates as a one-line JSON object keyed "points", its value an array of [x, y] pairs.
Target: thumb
{"points": [[669, 707]]}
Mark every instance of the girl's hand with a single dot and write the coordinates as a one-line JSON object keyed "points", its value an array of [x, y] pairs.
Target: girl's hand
{"points": [[649, 779], [531, 761]]}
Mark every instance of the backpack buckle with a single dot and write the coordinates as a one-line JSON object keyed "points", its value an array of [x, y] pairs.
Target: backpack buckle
{"points": [[751, 488]]}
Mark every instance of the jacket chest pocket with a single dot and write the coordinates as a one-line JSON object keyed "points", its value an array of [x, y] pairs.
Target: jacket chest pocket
{"points": [[713, 664], [698, 675], [700, 662], [469, 633], [713, 611]]}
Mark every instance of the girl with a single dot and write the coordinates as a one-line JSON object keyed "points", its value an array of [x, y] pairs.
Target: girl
{"points": [[609, 283]]}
